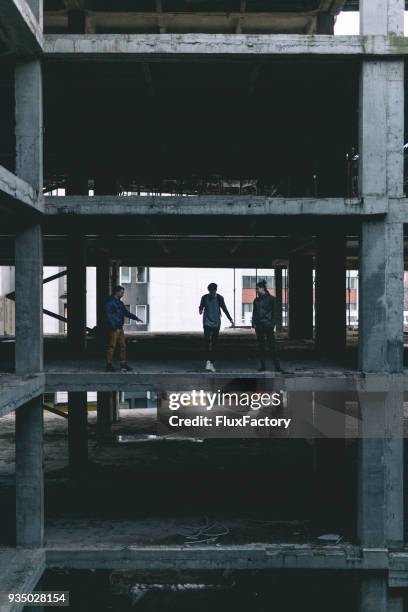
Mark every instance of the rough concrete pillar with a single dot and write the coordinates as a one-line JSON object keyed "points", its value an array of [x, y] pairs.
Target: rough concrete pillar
{"points": [[381, 297], [300, 273], [325, 23], [29, 300], [330, 295], [104, 417], [380, 178], [114, 275], [381, 161], [77, 431], [29, 123], [278, 295], [76, 295], [330, 458], [115, 411], [380, 473], [102, 294], [29, 474], [382, 17]]}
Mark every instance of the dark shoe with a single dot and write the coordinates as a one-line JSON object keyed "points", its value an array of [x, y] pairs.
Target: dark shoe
{"points": [[126, 368], [110, 368], [262, 368], [278, 367]]}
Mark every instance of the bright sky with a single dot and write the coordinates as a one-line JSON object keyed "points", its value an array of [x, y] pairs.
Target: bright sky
{"points": [[348, 23]]}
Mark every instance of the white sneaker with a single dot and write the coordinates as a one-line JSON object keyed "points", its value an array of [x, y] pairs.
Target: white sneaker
{"points": [[211, 367], [208, 365]]}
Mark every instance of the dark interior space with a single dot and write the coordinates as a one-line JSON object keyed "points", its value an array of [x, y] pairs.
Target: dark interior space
{"points": [[183, 591], [288, 125], [149, 491]]}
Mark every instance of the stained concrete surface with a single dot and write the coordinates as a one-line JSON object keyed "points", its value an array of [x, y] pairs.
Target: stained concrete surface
{"points": [[176, 352], [160, 492]]}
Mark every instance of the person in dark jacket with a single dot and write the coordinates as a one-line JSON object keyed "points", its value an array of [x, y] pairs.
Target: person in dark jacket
{"points": [[210, 307], [264, 321], [116, 312]]}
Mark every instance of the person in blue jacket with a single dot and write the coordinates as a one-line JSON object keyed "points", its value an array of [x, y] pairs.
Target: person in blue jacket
{"points": [[115, 312]]}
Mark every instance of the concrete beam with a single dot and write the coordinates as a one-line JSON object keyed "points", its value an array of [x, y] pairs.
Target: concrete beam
{"points": [[238, 557], [210, 205], [20, 30], [18, 390], [82, 380], [168, 46], [20, 571], [17, 196]]}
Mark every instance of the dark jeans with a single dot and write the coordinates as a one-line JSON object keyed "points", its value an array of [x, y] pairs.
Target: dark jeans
{"points": [[211, 340], [266, 339]]}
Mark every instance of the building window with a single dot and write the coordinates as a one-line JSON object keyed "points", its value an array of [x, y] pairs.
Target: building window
{"points": [[141, 312], [141, 274], [247, 314], [249, 282], [125, 274]]}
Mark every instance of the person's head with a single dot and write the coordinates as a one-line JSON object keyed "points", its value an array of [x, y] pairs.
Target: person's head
{"points": [[261, 287], [118, 292], [212, 288]]}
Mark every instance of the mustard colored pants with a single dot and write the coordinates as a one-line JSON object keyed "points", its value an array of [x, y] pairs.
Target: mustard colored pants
{"points": [[113, 338]]}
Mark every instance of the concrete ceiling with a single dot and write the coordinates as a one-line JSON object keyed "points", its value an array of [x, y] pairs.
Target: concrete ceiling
{"points": [[173, 16]]}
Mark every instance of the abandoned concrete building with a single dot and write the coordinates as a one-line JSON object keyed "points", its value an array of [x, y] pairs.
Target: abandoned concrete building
{"points": [[204, 134]]}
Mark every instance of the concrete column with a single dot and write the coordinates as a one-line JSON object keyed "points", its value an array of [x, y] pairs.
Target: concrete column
{"points": [[330, 458], [76, 295], [102, 293], [381, 161], [300, 274], [325, 23], [114, 275], [77, 431], [29, 123], [104, 417], [115, 410], [29, 474], [380, 470], [278, 295], [330, 295], [382, 17], [29, 300], [381, 297], [381, 177]]}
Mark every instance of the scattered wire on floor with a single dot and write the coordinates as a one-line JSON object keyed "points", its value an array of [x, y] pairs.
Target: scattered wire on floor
{"points": [[208, 534]]}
